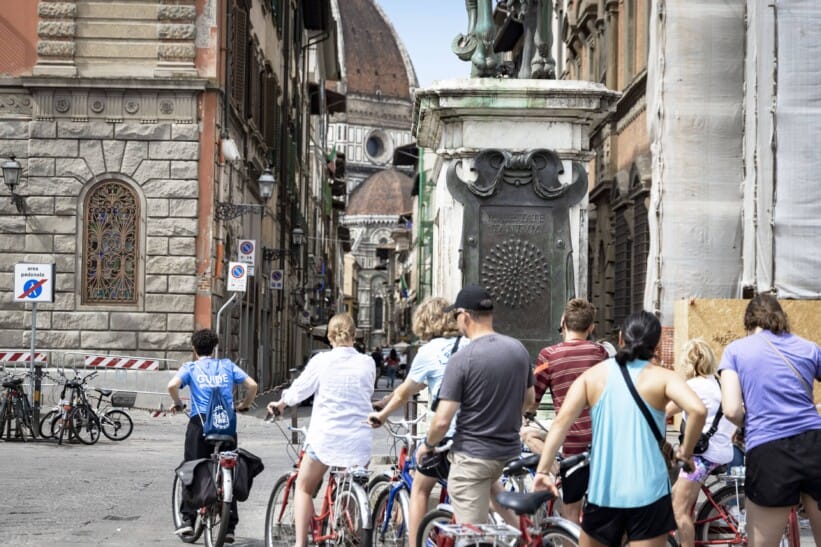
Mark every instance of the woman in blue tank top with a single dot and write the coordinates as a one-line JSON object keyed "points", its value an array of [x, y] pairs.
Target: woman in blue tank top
{"points": [[629, 492]]}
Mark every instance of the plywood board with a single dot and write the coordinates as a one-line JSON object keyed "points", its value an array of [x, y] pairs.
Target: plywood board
{"points": [[720, 321]]}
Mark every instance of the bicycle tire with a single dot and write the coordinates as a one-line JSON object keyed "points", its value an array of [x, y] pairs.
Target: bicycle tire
{"points": [[428, 533], [84, 425], [176, 515], [377, 483], [392, 528], [4, 418], [22, 420], [554, 536], [709, 524], [116, 424], [45, 423], [347, 521], [216, 517], [280, 527], [59, 427]]}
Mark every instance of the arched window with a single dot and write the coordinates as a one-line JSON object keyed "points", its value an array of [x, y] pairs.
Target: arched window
{"points": [[111, 240]]}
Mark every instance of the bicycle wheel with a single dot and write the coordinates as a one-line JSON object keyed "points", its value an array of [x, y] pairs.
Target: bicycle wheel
{"points": [[390, 517], [22, 419], [45, 423], [279, 516], [558, 537], [428, 532], [348, 520], [4, 416], [116, 424], [84, 425], [376, 484], [176, 515], [216, 517]]}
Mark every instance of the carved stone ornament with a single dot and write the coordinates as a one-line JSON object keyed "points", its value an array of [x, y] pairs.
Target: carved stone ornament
{"points": [[132, 106], [56, 29], [167, 106], [177, 51], [176, 13], [176, 32], [15, 104], [62, 103], [57, 10], [541, 168], [55, 49], [96, 104]]}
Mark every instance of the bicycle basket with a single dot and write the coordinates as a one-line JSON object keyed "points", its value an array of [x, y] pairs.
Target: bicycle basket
{"points": [[123, 399], [469, 535]]}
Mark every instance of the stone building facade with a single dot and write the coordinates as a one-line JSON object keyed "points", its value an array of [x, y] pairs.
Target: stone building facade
{"points": [[607, 42], [377, 80], [121, 115]]}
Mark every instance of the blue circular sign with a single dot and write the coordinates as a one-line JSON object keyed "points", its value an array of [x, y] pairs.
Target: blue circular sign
{"points": [[247, 247], [276, 275], [38, 288], [237, 272]]}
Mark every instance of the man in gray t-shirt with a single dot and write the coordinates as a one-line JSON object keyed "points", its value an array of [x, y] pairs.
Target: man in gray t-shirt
{"points": [[488, 383]]}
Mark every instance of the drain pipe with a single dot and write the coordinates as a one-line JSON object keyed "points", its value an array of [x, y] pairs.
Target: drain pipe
{"points": [[230, 302]]}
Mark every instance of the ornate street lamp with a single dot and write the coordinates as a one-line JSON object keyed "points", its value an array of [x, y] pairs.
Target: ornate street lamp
{"points": [[297, 240], [228, 211], [11, 176]]}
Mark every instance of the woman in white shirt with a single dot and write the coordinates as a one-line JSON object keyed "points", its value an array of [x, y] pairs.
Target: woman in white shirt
{"points": [[341, 381], [698, 364]]}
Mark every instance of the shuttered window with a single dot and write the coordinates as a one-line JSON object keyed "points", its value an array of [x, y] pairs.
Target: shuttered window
{"points": [[239, 58], [641, 248], [623, 268]]}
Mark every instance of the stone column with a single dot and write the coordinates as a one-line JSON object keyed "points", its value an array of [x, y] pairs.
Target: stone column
{"points": [[513, 183], [56, 31]]}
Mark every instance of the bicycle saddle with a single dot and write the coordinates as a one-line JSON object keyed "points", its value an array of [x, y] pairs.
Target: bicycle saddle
{"points": [[103, 392], [217, 438], [720, 470], [13, 383], [520, 466], [523, 503]]}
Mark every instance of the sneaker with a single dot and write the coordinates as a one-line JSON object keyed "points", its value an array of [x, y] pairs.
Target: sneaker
{"points": [[184, 528], [229, 537]]}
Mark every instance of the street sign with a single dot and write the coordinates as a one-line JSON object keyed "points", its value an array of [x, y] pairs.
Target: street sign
{"points": [[246, 251], [237, 277], [277, 277], [34, 282]]}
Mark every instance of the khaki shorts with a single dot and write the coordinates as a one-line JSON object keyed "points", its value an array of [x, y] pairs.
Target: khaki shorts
{"points": [[469, 483]]}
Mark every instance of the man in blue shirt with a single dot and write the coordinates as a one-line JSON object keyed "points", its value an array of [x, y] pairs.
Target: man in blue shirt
{"points": [[201, 376]]}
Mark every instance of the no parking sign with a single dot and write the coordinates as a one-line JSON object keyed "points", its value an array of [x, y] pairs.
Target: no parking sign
{"points": [[277, 277], [34, 282], [237, 277]]}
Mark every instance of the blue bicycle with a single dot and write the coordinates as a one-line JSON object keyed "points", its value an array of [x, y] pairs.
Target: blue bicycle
{"points": [[391, 510]]}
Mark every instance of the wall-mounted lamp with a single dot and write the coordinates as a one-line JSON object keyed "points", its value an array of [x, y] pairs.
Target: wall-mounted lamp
{"points": [[11, 176], [297, 240], [266, 182]]}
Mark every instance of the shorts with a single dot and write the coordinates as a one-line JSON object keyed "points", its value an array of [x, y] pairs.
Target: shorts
{"points": [[609, 524], [310, 452], [574, 486], [779, 471], [702, 470], [436, 466]]}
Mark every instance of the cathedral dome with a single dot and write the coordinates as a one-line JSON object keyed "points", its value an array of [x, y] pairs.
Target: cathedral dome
{"points": [[387, 192], [374, 59]]}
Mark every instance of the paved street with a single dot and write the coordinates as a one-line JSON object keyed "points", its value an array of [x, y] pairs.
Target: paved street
{"points": [[119, 493]]}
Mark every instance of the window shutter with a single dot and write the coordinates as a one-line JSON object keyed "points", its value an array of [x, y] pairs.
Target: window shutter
{"points": [[239, 49]]}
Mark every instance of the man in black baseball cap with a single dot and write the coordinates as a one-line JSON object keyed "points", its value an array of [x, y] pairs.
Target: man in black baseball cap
{"points": [[488, 383], [472, 297]]}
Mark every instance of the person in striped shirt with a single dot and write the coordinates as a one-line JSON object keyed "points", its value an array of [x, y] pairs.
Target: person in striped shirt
{"points": [[556, 368]]}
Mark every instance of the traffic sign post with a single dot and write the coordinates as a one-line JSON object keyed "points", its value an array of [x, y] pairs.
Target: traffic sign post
{"points": [[34, 283]]}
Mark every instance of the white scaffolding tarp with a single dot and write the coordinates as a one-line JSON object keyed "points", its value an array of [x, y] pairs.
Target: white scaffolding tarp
{"points": [[695, 91], [734, 115]]}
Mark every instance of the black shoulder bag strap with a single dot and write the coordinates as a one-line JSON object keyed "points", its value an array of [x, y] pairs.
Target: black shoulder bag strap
{"points": [[719, 414], [640, 403]]}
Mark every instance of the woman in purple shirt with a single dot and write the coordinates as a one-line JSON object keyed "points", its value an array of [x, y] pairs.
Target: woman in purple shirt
{"points": [[766, 386]]}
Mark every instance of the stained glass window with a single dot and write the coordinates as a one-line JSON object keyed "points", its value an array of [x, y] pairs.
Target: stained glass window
{"points": [[112, 216]]}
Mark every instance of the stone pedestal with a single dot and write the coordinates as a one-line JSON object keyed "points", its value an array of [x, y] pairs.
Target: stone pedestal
{"points": [[509, 204]]}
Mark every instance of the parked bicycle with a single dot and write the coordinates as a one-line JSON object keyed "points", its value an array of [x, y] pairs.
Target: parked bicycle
{"points": [[75, 414], [15, 410], [344, 518]]}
